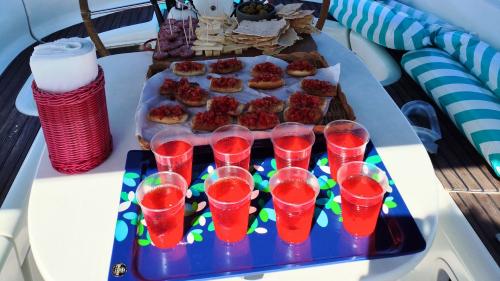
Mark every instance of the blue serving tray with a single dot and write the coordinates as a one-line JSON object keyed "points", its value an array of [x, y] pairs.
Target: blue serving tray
{"points": [[201, 255]]}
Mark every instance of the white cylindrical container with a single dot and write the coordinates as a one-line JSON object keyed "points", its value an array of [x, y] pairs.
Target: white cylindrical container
{"points": [[64, 65]]}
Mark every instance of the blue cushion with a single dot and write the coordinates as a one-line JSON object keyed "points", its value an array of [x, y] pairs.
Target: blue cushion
{"points": [[478, 56], [378, 23], [474, 109]]}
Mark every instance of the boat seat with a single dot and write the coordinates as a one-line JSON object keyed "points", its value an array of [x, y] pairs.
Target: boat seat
{"points": [[376, 58], [14, 241], [10, 268]]}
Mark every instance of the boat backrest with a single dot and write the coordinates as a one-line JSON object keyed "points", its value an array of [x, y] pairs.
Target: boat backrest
{"points": [[481, 17]]}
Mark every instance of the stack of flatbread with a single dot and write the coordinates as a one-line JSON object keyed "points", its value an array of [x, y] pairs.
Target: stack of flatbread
{"points": [[270, 36], [300, 20], [211, 36]]}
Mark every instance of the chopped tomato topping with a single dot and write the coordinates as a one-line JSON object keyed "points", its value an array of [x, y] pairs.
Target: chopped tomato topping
{"points": [[169, 84], [259, 119], [300, 65], [225, 82], [186, 66], [302, 114], [265, 104], [266, 77], [268, 67], [184, 82], [224, 65], [224, 104], [189, 92], [317, 85], [300, 99], [212, 118], [168, 111]]}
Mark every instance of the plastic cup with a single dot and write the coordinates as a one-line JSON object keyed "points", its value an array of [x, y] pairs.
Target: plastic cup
{"points": [[161, 197], [232, 145], [292, 143], [173, 150], [294, 192], [362, 189], [228, 189], [346, 142]]}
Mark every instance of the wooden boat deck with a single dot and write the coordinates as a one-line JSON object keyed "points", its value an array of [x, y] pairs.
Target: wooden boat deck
{"points": [[461, 170]]}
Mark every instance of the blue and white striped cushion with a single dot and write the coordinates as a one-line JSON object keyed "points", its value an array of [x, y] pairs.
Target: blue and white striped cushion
{"points": [[380, 24], [473, 108], [431, 22], [478, 56]]}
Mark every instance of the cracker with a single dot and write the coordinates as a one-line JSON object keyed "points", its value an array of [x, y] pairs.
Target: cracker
{"points": [[288, 8], [288, 38], [266, 28]]}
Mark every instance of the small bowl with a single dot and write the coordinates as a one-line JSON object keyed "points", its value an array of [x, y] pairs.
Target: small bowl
{"points": [[240, 16]]}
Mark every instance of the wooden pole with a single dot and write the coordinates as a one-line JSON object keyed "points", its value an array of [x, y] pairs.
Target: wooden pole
{"points": [[157, 10], [87, 21], [323, 14]]}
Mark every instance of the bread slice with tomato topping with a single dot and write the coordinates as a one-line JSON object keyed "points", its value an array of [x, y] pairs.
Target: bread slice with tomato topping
{"points": [[301, 99], [266, 68], [210, 120], [318, 87], [303, 115], [168, 114], [226, 85], [190, 95], [258, 120], [266, 82], [189, 68], [226, 66], [269, 104], [225, 104], [300, 68], [168, 88]]}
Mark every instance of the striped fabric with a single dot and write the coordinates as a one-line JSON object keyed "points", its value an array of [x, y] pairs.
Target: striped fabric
{"points": [[431, 22], [380, 24], [473, 108], [479, 57]]}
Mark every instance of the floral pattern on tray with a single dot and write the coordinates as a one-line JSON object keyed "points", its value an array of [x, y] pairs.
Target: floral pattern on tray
{"points": [[131, 234]]}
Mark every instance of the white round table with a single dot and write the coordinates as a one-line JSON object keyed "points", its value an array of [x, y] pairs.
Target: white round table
{"points": [[71, 219]]}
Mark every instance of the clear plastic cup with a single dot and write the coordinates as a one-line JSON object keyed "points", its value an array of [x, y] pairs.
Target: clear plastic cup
{"points": [[232, 145], [292, 143], [346, 142], [161, 197], [362, 189], [228, 189], [173, 150], [294, 192]]}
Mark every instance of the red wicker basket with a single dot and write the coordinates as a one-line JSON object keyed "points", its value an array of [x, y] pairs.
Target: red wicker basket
{"points": [[76, 126]]}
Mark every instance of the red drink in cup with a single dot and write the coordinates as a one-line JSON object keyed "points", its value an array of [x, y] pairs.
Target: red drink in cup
{"points": [[228, 189], [346, 142], [294, 192], [161, 197], [232, 145], [362, 189], [173, 151], [292, 143]]}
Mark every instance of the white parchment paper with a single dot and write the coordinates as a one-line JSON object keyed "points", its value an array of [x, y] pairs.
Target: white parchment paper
{"points": [[150, 97]]}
